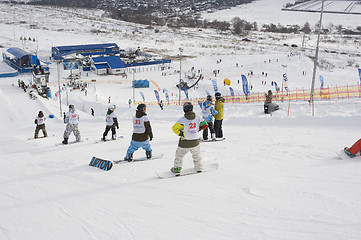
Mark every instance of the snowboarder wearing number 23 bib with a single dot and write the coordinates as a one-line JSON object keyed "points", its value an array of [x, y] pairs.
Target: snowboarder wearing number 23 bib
{"points": [[142, 134], [187, 127]]}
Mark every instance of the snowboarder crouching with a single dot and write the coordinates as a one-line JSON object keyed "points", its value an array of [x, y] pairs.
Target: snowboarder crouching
{"points": [[111, 122], [187, 127], [71, 120], [142, 134], [352, 151], [268, 105], [40, 124]]}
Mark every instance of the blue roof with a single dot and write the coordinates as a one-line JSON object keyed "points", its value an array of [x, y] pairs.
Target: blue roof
{"points": [[113, 62], [86, 47], [17, 52]]}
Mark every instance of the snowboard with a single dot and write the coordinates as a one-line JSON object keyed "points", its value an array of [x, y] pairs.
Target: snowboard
{"points": [[211, 140], [139, 159], [72, 142], [109, 140], [188, 171], [32, 138], [342, 155], [102, 164]]}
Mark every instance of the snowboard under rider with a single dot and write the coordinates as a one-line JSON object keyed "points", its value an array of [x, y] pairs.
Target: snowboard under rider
{"points": [[71, 120], [207, 113], [142, 134], [111, 123], [187, 128], [40, 124]]}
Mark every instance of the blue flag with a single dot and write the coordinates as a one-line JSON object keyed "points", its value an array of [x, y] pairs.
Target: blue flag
{"points": [[231, 90], [165, 91], [186, 92], [141, 94], [322, 81], [156, 95], [285, 79], [215, 87], [359, 73], [276, 86], [207, 93], [245, 85]]}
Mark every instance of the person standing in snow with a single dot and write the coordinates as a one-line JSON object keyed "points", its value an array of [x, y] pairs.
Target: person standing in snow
{"points": [[130, 103], [71, 120], [40, 124], [207, 113], [111, 123], [187, 128], [218, 118], [352, 151], [142, 134]]}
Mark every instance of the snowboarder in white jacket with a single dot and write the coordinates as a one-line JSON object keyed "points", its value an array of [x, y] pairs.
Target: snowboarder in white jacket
{"points": [[71, 119], [187, 128], [111, 123], [40, 124]]}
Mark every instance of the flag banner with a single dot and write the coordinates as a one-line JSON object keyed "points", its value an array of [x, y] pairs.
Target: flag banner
{"points": [[245, 85], [285, 80], [277, 89], [322, 81], [215, 87], [359, 73], [231, 90], [165, 91], [207, 93], [141, 94], [156, 95], [186, 92]]}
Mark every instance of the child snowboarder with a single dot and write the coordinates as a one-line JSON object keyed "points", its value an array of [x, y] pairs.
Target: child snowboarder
{"points": [[268, 105], [142, 134], [187, 127], [111, 123], [218, 118], [207, 113], [40, 124], [71, 119]]}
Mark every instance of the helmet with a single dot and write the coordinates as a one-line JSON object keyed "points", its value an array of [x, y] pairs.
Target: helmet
{"points": [[209, 98], [218, 95], [187, 107], [142, 107], [111, 107], [71, 106]]}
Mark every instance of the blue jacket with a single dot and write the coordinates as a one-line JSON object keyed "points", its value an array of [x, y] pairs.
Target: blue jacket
{"points": [[207, 110]]}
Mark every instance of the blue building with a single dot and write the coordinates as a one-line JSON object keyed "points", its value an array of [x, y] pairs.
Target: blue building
{"points": [[85, 50], [107, 65], [21, 60]]}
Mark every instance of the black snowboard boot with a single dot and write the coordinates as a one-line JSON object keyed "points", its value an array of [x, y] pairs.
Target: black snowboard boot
{"points": [[148, 154], [129, 158], [65, 141]]}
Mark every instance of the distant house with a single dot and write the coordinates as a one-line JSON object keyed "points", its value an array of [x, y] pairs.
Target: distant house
{"points": [[59, 52], [107, 65]]}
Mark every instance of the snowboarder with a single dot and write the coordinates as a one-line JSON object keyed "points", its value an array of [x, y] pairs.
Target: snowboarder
{"points": [[187, 128], [111, 123], [40, 124], [92, 111], [268, 105], [218, 118], [207, 113], [352, 151], [130, 103], [71, 119], [142, 134], [161, 104]]}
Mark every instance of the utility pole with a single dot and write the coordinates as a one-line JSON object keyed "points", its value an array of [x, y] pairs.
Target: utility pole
{"points": [[316, 59], [180, 74]]}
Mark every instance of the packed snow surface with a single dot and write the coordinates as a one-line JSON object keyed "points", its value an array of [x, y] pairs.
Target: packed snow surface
{"points": [[278, 177]]}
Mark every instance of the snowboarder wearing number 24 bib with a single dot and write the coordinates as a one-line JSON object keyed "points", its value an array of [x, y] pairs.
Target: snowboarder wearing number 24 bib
{"points": [[142, 134], [187, 127]]}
